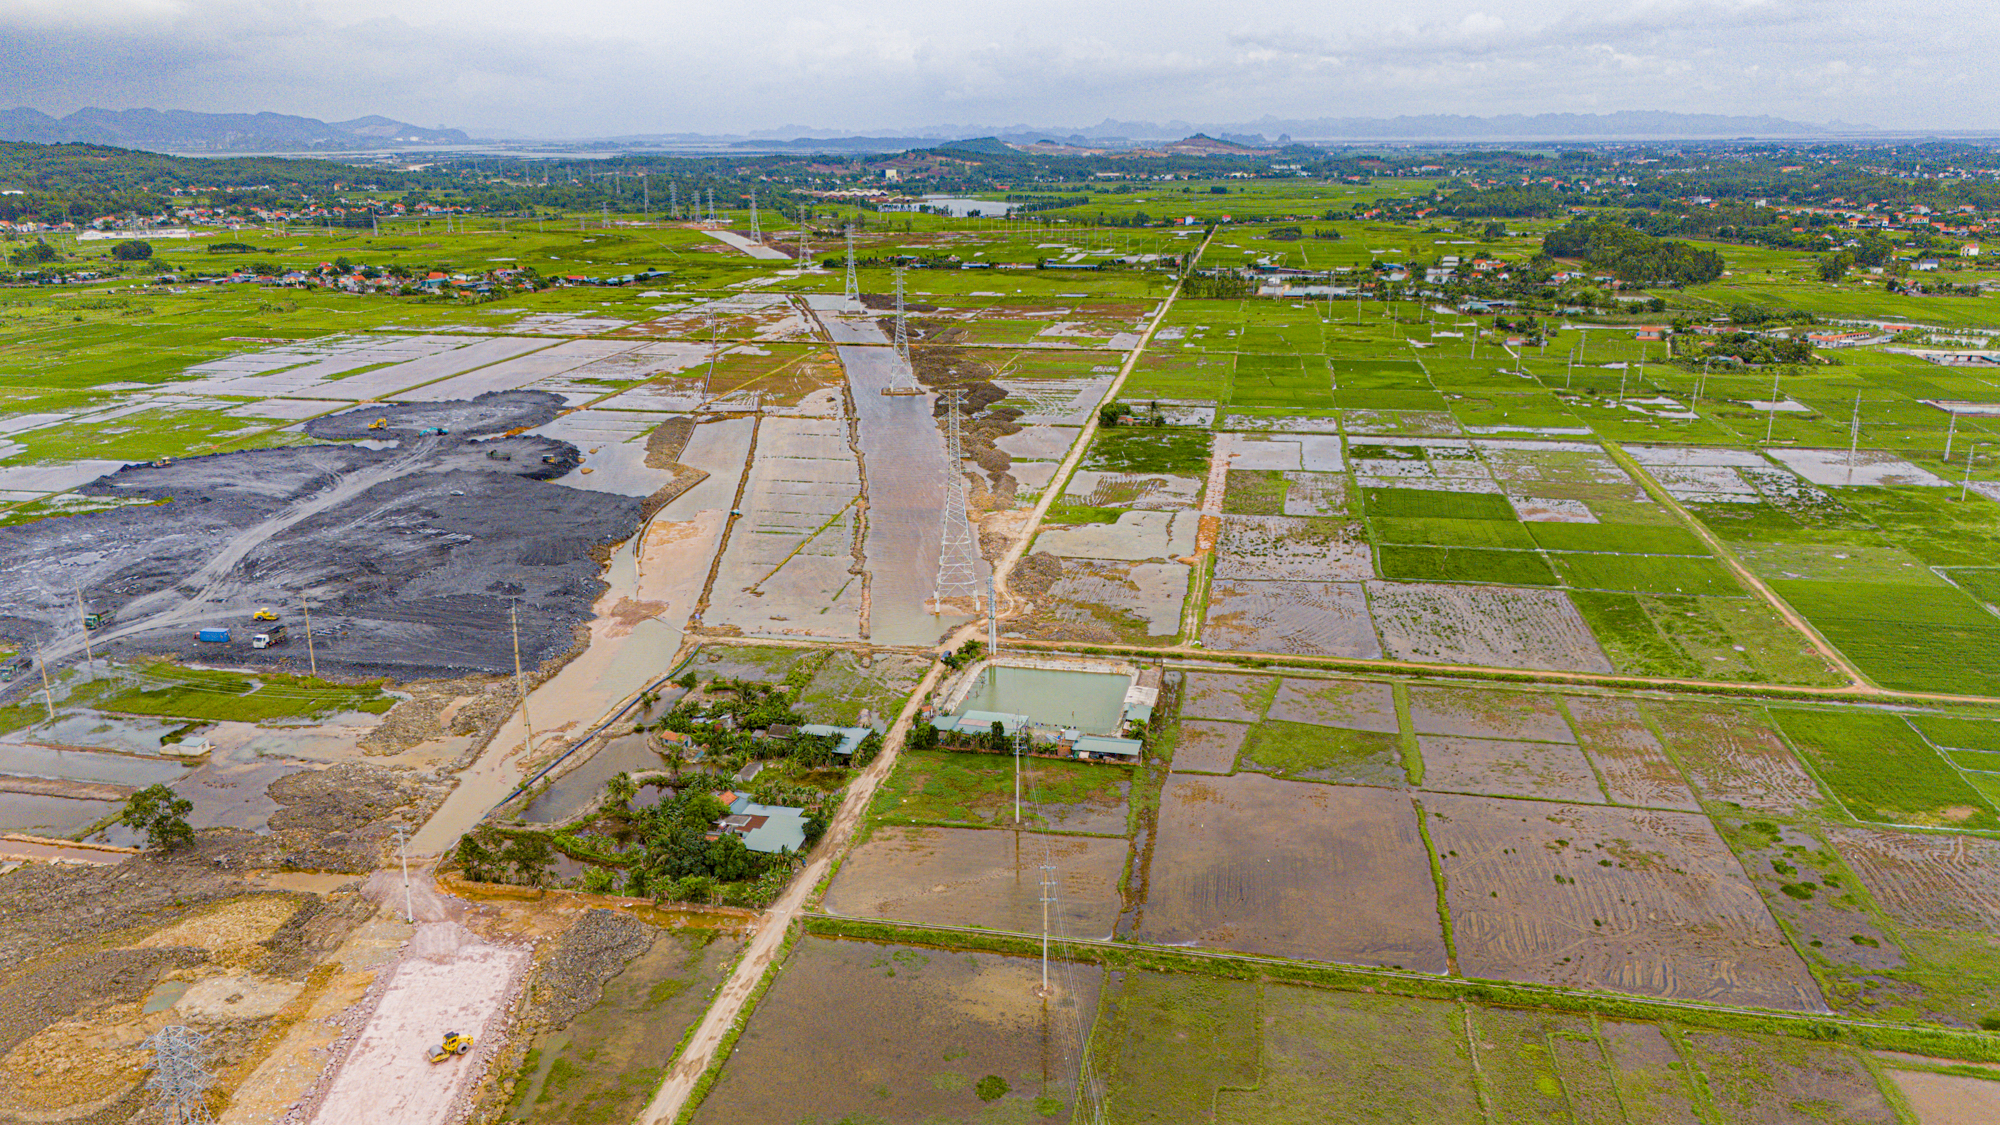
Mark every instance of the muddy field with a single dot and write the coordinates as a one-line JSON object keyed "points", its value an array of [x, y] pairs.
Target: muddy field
{"points": [[895, 1033], [1317, 872], [988, 878], [1735, 759], [411, 554], [1596, 897], [1633, 765]]}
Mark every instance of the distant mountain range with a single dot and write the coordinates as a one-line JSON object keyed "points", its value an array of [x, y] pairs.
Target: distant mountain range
{"points": [[183, 131], [179, 130]]}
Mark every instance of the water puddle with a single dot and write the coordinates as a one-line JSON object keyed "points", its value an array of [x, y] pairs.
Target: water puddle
{"points": [[578, 789], [1093, 702]]}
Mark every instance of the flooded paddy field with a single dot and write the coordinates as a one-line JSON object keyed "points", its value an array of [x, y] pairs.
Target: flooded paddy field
{"points": [[990, 878], [1633, 901], [1254, 865], [905, 1034]]}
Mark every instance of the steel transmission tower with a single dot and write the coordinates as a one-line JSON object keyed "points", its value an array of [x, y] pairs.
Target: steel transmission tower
{"points": [[180, 1079], [673, 199], [958, 557], [852, 296], [711, 205], [756, 228], [902, 324], [805, 248]]}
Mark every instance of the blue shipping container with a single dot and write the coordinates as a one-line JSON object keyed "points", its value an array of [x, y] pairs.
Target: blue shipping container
{"points": [[217, 636]]}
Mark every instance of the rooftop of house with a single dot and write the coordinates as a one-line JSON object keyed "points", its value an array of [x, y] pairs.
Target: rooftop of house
{"points": [[850, 737], [764, 828]]}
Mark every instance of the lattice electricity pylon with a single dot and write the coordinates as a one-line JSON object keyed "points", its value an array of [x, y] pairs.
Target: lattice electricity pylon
{"points": [[180, 1079], [711, 205], [902, 323], [852, 295], [805, 247], [674, 198], [756, 228], [958, 555]]}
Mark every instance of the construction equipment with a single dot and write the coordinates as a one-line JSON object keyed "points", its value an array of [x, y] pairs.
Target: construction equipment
{"points": [[453, 1044], [213, 636], [379, 423], [265, 614], [275, 636], [428, 431], [496, 455], [95, 620]]}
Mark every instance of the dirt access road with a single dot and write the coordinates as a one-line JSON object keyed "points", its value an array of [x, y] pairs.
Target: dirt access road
{"points": [[769, 938]]}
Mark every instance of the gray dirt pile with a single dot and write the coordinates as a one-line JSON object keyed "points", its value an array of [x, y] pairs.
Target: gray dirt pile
{"points": [[1034, 574], [340, 818], [474, 705], [411, 555], [570, 978], [667, 442]]}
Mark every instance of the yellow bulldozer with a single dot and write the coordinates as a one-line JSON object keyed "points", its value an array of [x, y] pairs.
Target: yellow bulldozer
{"points": [[265, 614], [453, 1044]]}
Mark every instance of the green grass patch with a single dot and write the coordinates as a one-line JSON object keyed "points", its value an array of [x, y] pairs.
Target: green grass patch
{"points": [[1464, 564], [1418, 503], [950, 787], [1617, 538], [1148, 449], [1504, 534], [1650, 574], [1917, 638], [1317, 753], [226, 697], [1254, 492], [1883, 770]]}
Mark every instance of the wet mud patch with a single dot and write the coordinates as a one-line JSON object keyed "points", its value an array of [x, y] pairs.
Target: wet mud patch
{"points": [[1632, 763], [990, 878], [1352, 704], [1241, 699], [1303, 618], [1619, 899], [1258, 866], [1208, 746], [1499, 626], [1550, 771], [903, 1034], [1481, 713], [1734, 757]]}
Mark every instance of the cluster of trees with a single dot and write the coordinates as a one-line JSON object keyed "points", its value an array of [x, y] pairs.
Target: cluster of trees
{"points": [[1510, 201], [664, 851], [1754, 349], [1633, 255]]}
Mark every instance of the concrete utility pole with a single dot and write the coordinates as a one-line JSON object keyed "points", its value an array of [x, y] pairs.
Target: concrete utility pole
{"points": [[83, 619], [49, 699], [1963, 484], [403, 850], [312, 658], [521, 684], [1771, 416], [1951, 428], [1853, 437], [1048, 896]]}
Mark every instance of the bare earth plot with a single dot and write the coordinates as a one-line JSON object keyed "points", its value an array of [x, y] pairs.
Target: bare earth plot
{"points": [[1208, 746], [1596, 897], [1317, 872], [990, 878], [1305, 618], [1213, 695], [1734, 757], [903, 1034], [788, 569]]}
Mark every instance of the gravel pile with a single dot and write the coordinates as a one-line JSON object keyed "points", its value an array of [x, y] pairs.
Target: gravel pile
{"points": [[572, 975]]}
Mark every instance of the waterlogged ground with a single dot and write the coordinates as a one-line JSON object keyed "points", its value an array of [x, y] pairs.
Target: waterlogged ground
{"points": [[898, 1033]]}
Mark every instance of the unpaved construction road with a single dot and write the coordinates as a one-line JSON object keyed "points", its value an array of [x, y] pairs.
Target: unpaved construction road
{"points": [[411, 549]]}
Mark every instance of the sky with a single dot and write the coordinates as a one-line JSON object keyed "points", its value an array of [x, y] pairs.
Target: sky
{"points": [[602, 67]]}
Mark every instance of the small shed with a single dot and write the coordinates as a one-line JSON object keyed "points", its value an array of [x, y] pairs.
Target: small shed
{"points": [[850, 737], [1109, 749]]}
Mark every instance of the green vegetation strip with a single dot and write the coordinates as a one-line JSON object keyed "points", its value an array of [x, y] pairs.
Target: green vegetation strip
{"points": [[1934, 1042]]}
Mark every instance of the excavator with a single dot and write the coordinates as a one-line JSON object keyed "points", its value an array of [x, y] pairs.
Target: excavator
{"points": [[453, 1044], [378, 423]]}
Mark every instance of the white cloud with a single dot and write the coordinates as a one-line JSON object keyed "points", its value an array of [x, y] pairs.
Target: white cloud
{"points": [[607, 66]]}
